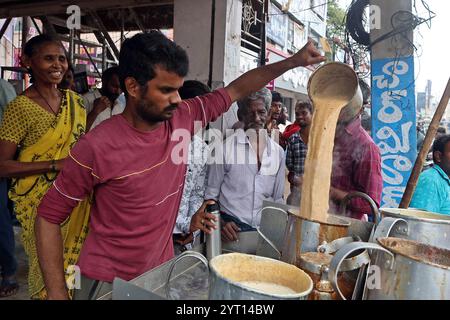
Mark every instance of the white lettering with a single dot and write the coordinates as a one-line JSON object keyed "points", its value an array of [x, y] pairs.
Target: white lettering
{"points": [[387, 98], [400, 163], [399, 68], [373, 278], [386, 132], [180, 151], [375, 17], [74, 20], [389, 193]]}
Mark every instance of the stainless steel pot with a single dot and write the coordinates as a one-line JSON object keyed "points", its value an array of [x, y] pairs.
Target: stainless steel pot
{"points": [[401, 269], [423, 226], [305, 235], [233, 276], [229, 274]]}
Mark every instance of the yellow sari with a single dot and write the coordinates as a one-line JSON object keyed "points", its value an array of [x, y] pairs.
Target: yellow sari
{"points": [[27, 192]]}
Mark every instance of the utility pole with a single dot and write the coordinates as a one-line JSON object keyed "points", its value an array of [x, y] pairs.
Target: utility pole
{"points": [[393, 95]]}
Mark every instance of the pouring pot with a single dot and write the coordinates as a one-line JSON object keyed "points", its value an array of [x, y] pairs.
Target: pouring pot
{"points": [[423, 226], [340, 79], [401, 269], [238, 276], [335, 93], [305, 235]]}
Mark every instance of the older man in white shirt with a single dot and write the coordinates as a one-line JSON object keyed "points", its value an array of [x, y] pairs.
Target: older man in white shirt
{"points": [[251, 169]]}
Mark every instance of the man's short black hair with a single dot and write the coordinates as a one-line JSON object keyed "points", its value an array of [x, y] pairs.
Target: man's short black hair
{"points": [[366, 121], [442, 130], [439, 144], [140, 55], [365, 90], [305, 104], [276, 97], [108, 74], [192, 89]]}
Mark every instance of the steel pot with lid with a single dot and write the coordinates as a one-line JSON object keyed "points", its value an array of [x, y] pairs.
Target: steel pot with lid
{"points": [[423, 226]]}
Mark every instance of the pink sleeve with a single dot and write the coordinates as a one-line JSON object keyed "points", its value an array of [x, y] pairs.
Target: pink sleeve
{"points": [[208, 107], [74, 183]]}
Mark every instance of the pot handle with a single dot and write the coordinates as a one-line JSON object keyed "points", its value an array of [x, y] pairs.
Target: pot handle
{"points": [[269, 242], [356, 194], [344, 252], [335, 245], [192, 254], [387, 225]]}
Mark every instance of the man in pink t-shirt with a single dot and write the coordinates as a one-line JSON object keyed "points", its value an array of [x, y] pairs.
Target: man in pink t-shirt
{"points": [[131, 162]]}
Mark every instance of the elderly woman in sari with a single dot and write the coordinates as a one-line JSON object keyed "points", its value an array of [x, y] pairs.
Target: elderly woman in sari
{"points": [[38, 129]]}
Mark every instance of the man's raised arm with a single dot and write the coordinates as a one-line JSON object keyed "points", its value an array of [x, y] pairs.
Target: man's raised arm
{"points": [[255, 79]]}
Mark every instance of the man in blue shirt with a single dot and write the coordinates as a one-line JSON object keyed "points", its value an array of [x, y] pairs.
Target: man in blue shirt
{"points": [[433, 188]]}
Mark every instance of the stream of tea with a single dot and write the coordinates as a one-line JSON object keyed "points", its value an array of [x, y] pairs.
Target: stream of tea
{"points": [[318, 164]]}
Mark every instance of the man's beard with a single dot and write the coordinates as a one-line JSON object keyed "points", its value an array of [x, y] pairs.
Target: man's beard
{"points": [[143, 112]]}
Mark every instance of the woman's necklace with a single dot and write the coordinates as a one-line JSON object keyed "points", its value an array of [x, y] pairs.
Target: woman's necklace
{"points": [[48, 104]]}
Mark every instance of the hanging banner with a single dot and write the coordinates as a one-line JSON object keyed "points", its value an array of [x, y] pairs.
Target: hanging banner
{"points": [[277, 26], [394, 123]]}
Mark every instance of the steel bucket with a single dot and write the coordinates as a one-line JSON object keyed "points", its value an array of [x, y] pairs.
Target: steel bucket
{"points": [[423, 226], [229, 274], [401, 269]]}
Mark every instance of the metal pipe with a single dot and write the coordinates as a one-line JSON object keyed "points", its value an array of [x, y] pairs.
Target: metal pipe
{"points": [[4, 27], [90, 58], [35, 25], [211, 44]]}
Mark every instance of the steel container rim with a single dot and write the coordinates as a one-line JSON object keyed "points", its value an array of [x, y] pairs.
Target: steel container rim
{"points": [[260, 258], [332, 220], [416, 243], [388, 212], [330, 65]]}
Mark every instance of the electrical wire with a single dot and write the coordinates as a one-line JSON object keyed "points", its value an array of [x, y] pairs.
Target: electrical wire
{"points": [[294, 12], [358, 43]]}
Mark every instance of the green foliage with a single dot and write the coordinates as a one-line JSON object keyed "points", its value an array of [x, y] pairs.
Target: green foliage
{"points": [[335, 20]]}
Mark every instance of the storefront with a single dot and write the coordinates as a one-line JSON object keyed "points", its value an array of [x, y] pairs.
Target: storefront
{"points": [[292, 85]]}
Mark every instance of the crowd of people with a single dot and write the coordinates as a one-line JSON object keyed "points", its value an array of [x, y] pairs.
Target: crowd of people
{"points": [[117, 181]]}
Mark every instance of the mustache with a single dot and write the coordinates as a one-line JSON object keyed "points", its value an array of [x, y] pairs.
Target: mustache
{"points": [[171, 107]]}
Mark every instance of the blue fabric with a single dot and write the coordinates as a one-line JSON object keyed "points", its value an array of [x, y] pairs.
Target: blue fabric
{"points": [[7, 94], [433, 191], [8, 263]]}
